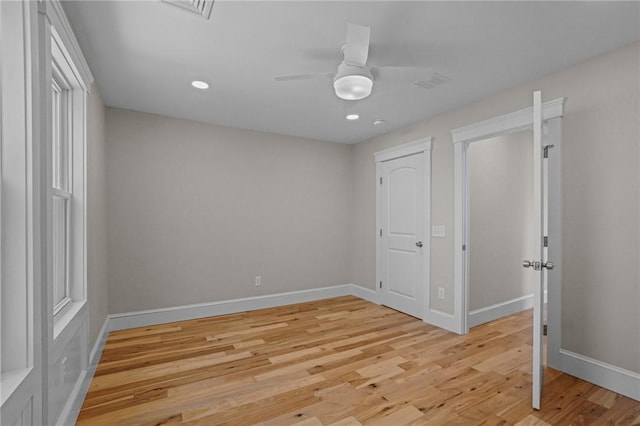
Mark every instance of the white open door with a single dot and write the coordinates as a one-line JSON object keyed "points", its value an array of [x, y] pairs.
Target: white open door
{"points": [[538, 263]]}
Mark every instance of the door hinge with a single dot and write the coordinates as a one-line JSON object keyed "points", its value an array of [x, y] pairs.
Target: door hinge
{"points": [[546, 151], [546, 241], [381, 181], [544, 329], [380, 284], [381, 232], [464, 247]]}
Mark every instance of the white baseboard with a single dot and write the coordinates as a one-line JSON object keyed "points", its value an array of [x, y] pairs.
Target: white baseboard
{"points": [[364, 293], [127, 320], [96, 351], [443, 320], [499, 310], [619, 380], [70, 412], [202, 310]]}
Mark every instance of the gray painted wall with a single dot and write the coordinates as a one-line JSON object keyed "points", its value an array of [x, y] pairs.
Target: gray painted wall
{"points": [[196, 211], [97, 282], [601, 276], [500, 215]]}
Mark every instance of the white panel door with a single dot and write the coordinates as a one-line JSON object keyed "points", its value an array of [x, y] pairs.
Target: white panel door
{"points": [[402, 233], [538, 263]]}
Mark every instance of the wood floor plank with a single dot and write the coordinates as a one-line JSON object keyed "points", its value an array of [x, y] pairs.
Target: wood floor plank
{"points": [[341, 361]]}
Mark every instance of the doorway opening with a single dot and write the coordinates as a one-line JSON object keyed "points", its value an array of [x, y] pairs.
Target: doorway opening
{"points": [[499, 226]]}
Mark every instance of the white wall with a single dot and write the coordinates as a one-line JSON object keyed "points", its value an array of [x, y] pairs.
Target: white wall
{"points": [[196, 211], [500, 210], [601, 276]]}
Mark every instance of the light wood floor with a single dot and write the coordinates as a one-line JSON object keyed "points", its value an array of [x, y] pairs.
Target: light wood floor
{"points": [[340, 361]]}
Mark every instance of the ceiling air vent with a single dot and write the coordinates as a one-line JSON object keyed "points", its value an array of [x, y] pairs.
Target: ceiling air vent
{"points": [[199, 7], [436, 80]]}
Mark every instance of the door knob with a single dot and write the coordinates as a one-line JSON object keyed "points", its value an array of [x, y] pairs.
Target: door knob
{"points": [[537, 265], [532, 264], [419, 244]]}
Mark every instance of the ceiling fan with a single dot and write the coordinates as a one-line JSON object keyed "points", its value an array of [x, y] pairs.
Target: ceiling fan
{"points": [[354, 78]]}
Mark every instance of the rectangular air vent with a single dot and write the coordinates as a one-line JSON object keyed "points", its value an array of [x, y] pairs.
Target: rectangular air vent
{"points": [[436, 79], [198, 7]]}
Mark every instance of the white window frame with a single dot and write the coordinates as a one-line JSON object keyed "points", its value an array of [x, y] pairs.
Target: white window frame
{"points": [[72, 187], [60, 188]]}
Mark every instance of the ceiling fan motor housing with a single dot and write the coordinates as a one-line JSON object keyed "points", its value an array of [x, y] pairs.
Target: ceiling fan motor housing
{"points": [[352, 82]]}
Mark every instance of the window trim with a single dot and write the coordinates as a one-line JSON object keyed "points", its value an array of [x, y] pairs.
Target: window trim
{"points": [[68, 78]]}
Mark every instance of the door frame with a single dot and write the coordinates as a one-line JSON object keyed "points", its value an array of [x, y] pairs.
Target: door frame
{"points": [[552, 112], [415, 147]]}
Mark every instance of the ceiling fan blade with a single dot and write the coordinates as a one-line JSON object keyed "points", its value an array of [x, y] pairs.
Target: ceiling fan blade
{"points": [[402, 74], [295, 77], [356, 46]]}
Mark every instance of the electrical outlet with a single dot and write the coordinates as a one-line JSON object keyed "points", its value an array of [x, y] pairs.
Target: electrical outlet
{"points": [[441, 293], [438, 231], [258, 281]]}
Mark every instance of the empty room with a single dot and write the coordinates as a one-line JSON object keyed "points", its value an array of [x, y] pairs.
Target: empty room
{"points": [[319, 212]]}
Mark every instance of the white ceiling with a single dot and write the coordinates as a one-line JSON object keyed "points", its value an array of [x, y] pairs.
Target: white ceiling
{"points": [[144, 54]]}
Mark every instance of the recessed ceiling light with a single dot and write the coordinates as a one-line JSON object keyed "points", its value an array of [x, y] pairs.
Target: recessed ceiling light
{"points": [[378, 123], [200, 84], [352, 116]]}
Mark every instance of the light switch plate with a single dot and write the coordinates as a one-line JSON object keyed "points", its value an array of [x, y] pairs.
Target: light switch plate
{"points": [[438, 231]]}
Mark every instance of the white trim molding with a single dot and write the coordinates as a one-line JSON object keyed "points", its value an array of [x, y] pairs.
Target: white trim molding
{"points": [[96, 350], [499, 310], [554, 249], [409, 148], [441, 319], [619, 380], [63, 31], [364, 293], [507, 123], [72, 409], [201, 310]]}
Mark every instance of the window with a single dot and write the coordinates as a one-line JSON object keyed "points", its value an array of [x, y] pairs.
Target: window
{"points": [[60, 190], [66, 207]]}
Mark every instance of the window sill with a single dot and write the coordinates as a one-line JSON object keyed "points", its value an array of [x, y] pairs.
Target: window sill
{"points": [[62, 321], [11, 380]]}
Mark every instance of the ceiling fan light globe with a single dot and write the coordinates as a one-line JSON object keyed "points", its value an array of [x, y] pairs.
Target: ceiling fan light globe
{"points": [[353, 87]]}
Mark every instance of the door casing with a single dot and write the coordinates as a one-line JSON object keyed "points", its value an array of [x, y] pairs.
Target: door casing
{"points": [[552, 112], [462, 137]]}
